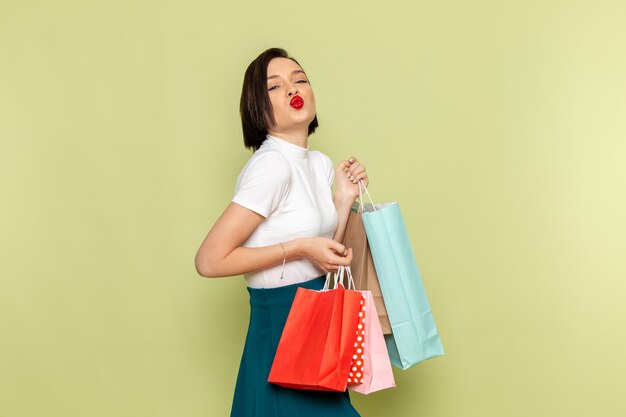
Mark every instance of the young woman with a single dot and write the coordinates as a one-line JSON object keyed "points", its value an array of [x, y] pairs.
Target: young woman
{"points": [[282, 229]]}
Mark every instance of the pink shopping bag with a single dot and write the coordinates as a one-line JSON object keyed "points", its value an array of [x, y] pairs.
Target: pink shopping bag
{"points": [[377, 373]]}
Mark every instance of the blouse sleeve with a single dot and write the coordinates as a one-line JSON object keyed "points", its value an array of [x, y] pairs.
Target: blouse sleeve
{"points": [[263, 183], [330, 170]]}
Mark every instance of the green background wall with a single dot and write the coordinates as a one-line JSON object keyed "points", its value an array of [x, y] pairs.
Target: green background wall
{"points": [[499, 126]]}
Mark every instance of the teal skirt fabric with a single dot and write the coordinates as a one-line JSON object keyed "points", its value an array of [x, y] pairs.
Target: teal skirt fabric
{"points": [[254, 396]]}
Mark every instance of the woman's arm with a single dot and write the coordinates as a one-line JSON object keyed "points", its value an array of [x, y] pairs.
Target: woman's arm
{"points": [[221, 253], [343, 205], [347, 175]]}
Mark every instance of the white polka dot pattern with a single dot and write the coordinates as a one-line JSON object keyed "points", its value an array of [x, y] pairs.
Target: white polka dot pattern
{"points": [[356, 367]]}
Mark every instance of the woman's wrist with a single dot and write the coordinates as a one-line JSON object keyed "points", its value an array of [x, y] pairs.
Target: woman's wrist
{"points": [[296, 248], [343, 199]]}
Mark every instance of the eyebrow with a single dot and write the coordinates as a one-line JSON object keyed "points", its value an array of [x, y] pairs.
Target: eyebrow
{"points": [[292, 72]]}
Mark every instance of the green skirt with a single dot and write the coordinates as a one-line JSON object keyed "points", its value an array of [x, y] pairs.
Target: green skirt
{"points": [[254, 396]]}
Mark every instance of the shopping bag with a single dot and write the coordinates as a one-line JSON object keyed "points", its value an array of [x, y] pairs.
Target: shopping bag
{"points": [[414, 335], [375, 373], [356, 373], [362, 265], [316, 346]]}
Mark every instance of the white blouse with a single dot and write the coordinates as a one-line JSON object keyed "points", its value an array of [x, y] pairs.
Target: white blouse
{"points": [[290, 187]]}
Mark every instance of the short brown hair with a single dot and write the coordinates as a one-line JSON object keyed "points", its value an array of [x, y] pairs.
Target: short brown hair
{"points": [[255, 106]]}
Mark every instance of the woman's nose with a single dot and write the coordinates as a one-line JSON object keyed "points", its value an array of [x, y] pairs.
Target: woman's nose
{"points": [[292, 90]]}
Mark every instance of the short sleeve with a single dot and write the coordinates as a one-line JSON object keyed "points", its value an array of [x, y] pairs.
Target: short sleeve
{"points": [[263, 183], [329, 169]]}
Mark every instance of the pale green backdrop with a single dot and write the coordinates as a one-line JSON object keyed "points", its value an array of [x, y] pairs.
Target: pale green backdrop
{"points": [[499, 126]]}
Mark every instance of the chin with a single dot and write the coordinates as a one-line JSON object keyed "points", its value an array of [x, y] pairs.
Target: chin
{"points": [[304, 118], [309, 116]]}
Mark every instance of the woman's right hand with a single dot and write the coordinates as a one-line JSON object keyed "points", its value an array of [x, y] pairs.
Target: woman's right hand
{"points": [[327, 254]]}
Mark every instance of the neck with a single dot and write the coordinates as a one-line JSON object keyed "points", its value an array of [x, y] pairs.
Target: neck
{"points": [[298, 137]]}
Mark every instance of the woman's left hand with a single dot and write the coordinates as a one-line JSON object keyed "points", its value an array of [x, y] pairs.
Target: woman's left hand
{"points": [[347, 175]]}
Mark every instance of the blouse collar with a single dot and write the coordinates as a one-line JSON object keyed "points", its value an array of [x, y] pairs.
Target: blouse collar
{"points": [[289, 148]]}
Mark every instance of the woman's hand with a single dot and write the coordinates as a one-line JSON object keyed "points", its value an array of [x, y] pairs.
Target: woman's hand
{"points": [[326, 253], [347, 175]]}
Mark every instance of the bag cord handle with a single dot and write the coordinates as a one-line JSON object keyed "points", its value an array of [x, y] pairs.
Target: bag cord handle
{"points": [[339, 279], [361, 188]]}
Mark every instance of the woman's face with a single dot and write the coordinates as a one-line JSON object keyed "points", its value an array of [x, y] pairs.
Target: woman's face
{"points": [[290, 94]]}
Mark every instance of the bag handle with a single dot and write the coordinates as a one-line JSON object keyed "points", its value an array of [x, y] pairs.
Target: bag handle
{"points": [[350, 279], [327, 282], [361, 188], [339, 276], [339, 279]]}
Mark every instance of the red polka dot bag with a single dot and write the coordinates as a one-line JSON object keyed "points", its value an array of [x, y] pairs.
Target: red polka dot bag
{"points": [[370, 370]]}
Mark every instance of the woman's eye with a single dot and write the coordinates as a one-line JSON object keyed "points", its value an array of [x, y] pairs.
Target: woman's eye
{"points": [[302, 81], [272, 88]]}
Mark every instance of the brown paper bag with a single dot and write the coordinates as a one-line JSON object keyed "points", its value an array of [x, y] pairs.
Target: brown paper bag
{"points": [[362, 265]]}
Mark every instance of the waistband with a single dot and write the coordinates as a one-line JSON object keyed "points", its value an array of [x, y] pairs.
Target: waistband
{"points": [[284, 294]]}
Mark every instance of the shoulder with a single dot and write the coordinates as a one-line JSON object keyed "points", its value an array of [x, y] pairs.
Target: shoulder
{"points": [[264, 182], [321, 158], [268, 161]]}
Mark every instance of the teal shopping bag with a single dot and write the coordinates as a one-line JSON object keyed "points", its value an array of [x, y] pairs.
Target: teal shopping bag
{"points": [[414, 335]]}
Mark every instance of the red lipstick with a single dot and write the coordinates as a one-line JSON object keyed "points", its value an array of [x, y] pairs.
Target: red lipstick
{"points": [[296, 102]]}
